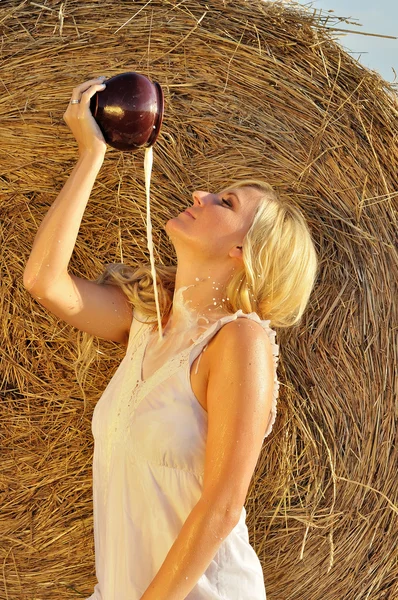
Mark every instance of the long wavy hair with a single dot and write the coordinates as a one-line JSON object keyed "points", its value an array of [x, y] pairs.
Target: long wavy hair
{"points": [[276, 280]]}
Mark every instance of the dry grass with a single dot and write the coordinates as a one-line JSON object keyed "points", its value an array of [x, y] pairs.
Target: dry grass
{"points": [[251, 90]]}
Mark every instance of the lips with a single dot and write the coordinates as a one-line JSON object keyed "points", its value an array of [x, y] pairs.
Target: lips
{"points": [[189, 213]]}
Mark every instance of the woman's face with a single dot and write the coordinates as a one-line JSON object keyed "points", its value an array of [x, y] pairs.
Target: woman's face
{"points": [[215, 223]]}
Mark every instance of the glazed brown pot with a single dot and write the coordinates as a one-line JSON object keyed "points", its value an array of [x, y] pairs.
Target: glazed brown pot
{"points": [[129, 111]]}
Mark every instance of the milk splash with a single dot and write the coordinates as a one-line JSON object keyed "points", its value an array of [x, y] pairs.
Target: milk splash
{"points": [[180, 335], [148, 162]]}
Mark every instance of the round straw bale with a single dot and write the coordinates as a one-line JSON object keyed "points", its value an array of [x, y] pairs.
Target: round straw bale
{"points": [[252, 89]]}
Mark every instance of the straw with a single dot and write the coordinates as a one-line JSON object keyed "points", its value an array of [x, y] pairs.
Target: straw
{"points": [[252, 89]]}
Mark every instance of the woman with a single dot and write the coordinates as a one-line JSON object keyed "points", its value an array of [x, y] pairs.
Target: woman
{"points": [[180, 426]]}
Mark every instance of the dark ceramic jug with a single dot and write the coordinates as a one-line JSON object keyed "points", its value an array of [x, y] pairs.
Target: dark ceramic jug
{"points": [[129, 111]]}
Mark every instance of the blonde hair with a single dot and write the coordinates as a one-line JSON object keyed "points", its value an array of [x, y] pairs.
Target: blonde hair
{"points": [[278, 274], [280, 261]]}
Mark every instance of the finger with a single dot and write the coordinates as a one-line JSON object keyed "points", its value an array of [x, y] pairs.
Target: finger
{"points": [[80, 89], [89, 93]]}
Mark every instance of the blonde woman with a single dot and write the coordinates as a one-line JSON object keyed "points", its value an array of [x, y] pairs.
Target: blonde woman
{"points": [[180, 426]]}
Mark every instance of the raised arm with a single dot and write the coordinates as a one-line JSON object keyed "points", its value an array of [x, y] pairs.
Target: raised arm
{"points": [[100, 309]]}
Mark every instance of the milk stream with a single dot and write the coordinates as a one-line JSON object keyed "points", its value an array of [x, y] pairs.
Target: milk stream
{"points": [[148, 161]]}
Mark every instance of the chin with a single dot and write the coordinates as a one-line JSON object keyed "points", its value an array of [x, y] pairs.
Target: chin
{"points": [[179, 238], [168, 223], [172, 224], [172, 229]]}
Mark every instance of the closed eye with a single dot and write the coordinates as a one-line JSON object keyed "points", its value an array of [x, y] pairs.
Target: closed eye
{"points": [[227, 202]]}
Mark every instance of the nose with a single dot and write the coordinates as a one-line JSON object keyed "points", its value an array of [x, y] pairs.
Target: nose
{"points": [[199, 197]]}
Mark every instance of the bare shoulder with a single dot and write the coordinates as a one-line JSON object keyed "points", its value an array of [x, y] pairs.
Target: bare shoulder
{"points": [[243, 332], [242, 344]]}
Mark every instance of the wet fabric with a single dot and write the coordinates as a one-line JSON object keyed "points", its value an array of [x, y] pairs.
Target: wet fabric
{"points": [[148, 467]]}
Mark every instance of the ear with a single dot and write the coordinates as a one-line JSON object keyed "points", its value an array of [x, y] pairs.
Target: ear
{"points": [[236, 252]]}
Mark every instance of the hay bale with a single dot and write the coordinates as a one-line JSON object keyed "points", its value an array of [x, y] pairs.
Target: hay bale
{"points": [[251, 89]]}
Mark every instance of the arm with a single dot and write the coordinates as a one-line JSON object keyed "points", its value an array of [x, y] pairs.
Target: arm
{"points": [[99, 309], [239, 400], [56, 237], [190, 555]]}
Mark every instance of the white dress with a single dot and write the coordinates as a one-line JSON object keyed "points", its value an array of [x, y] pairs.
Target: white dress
{"points": [[148, 465]]}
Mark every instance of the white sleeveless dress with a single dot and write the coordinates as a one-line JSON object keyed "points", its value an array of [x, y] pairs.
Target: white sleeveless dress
{"points": [[148, 466]]}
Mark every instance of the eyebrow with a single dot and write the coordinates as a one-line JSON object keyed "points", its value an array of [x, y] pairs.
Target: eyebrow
{"points": [[233, 194]]}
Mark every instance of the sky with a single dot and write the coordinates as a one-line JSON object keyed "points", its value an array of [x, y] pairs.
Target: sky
{"points": [[375, 16]]}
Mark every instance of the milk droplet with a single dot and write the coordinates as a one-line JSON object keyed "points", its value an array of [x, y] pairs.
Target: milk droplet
{"points": [[196, 278], [215, 303]]}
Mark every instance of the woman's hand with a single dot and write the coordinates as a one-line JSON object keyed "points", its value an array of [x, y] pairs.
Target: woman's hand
{"points": [[81, 122]]}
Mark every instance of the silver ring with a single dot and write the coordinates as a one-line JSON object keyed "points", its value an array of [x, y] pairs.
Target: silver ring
{"points": [[75, 101]]}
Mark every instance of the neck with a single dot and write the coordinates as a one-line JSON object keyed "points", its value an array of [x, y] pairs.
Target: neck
{"points": [[200, 293]]}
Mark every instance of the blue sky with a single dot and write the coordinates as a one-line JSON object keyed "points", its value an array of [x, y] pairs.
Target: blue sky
{"points": [[379, 16]]}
